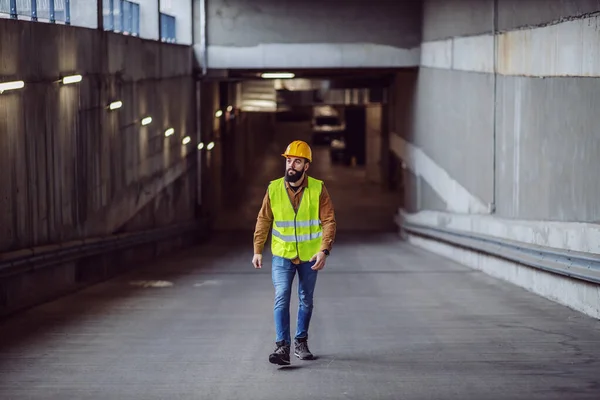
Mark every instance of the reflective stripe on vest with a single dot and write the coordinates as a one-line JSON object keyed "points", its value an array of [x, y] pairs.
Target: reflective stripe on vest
{"points": [[296, 234], [290, 224]]}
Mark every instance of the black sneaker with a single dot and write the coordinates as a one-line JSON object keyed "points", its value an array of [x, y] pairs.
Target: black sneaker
{"points": [[281, 355], [301, 349]]}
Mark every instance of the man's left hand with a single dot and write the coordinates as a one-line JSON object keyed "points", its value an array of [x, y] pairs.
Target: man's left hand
{"points": [[320, 257]]}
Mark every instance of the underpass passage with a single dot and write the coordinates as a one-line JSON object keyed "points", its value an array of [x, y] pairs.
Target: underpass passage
{"points": [[360, 205], [390, 322]]}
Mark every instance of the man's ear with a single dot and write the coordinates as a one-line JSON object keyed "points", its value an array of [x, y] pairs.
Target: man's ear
{"points": [[306, 166]]}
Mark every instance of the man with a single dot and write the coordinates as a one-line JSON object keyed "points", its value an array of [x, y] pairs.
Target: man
{"points": [[300, 212]]}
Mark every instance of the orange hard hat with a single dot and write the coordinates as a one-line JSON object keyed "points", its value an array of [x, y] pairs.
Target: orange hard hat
{"points": [[298, 148]]}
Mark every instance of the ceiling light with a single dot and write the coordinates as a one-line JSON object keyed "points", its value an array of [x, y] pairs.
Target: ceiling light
{"points": [[277, 75], [71, 79], [11, 85], [115, 104]]}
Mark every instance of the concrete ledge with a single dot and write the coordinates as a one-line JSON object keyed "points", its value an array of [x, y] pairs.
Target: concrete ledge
{"points": [[563, 49], [565, 237], [312, 55], [582, 266], [578, 295], [574, 236], [29, 278]]}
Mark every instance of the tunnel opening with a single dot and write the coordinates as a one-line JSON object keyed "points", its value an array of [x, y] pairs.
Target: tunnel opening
{"points": [[344, 114]]}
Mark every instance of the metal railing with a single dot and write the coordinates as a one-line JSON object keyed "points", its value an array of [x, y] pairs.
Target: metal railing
{"points": [[577, 265], [45, 10], [27, 259], [168, 26], [122, 16]]}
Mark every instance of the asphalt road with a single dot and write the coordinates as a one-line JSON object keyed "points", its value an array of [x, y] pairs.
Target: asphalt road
{"points": [[390, 322]]}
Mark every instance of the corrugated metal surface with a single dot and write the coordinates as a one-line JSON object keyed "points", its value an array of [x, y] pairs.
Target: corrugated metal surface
{"points": [[66, 160]]}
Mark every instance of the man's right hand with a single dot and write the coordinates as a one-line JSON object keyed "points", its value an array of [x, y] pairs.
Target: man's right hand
{"points": [[257, 261]]}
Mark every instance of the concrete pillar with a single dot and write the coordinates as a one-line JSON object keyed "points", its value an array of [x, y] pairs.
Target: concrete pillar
{"points": [[373, 141], [84, 13], [385, 146], [149, 19]]}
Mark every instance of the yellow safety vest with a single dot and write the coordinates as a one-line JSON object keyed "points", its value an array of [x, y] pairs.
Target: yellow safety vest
{"points": [[296, 234]]}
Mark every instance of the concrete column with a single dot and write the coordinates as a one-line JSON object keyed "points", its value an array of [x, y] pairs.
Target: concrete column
{"points": [[385, 145], [373, 141], [149, 19], [84, 13]]}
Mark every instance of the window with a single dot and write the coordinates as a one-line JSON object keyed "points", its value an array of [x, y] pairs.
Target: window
{"points": [[38, 10], [122, 16], [167, 28]]}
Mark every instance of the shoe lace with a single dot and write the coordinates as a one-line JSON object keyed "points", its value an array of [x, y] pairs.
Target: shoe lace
{"points": [[302, 347], [282, 349]]}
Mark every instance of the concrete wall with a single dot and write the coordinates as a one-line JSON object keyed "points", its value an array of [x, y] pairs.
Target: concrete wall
{"points": [[505, 131], [282, 34], [467, 116], [455, 18], [70, 168]]}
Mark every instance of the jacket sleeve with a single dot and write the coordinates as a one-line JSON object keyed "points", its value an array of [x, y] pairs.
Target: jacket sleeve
{"points": [[327, 216], [264, 221]]}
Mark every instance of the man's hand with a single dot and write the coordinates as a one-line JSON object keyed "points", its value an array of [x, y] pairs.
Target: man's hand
{"points": [[257, 261], [320, 264]]}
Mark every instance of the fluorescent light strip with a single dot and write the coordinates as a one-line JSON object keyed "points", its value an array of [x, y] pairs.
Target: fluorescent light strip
{"points": [[72, 79], [277, 75], [4, 86]]}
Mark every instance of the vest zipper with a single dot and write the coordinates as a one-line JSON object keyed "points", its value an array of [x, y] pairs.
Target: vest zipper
{"points": [[295, 217]]}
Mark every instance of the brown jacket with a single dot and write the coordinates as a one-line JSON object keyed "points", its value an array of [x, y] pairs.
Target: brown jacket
{"points": [[264, 222]]}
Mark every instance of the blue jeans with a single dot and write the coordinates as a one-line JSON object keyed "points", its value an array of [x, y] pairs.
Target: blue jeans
{"points": [[283, 272]]}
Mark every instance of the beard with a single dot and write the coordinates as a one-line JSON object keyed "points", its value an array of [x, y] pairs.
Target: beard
{"points": [[295, 177]]}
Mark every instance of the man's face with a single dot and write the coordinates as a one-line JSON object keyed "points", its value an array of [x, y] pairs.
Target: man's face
{"points": [[295, 168]]}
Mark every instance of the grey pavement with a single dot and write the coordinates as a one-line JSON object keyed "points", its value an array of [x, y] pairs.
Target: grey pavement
{"points": [[390, 322]]}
